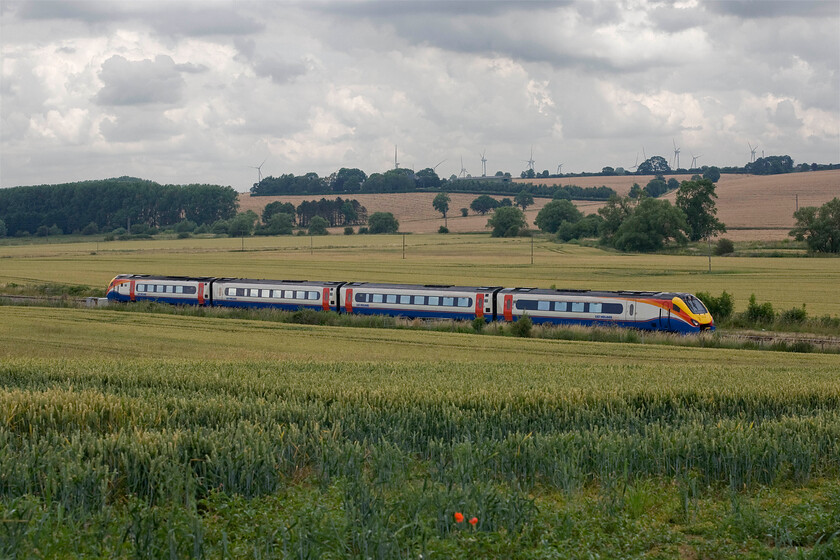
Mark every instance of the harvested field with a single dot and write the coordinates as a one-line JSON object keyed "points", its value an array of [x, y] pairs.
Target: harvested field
{"points": [[753, 207]]}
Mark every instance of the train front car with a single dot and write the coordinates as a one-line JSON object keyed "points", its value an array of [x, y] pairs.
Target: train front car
{"points": [[289, 295], [419, 301], [657, 311], [174, 290], [672, 312]]}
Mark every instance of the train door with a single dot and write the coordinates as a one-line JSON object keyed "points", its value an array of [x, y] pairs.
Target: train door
{"points": [[665, 318], [348, 300], [508, 307], [479, 306], [325, 299]]}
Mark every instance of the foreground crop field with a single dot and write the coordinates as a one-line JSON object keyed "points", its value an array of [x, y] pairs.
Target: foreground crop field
{"points": [[149, 436], [430, 259]]}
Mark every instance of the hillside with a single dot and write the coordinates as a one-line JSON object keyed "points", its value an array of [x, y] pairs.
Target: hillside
{"points": [[760, 207]]}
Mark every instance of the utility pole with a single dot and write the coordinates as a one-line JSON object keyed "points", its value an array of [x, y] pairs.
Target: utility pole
{"points": [[532, 248], [403, 246]]}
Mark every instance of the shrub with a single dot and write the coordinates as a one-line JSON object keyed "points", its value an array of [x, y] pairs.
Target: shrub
{"points": [[724, 247], [383, 222], [348, 230], [522, 327], [184, 234], [478, 324], [42, 231], [465, 212], [318, 226], [720, 307], [363, 231], [794, 315], [759, 314], [443, 229], [90, 229], [185, 226]]}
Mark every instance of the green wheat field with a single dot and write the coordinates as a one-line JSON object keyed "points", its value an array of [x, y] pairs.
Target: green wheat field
{"points": [[144, 435]]}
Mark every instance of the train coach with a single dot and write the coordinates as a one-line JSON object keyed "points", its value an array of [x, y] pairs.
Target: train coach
{"points": [[661, 311]]}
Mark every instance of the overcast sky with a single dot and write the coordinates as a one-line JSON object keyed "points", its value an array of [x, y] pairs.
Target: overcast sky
{"points": [[199, 92]]}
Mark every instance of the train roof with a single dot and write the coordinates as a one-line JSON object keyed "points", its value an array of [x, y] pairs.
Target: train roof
{"points": [[593, 293], [277, 282], [423, 287], [165, 277]]}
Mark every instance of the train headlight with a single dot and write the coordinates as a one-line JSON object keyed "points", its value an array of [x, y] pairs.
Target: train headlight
{"points": [[695, 323]]}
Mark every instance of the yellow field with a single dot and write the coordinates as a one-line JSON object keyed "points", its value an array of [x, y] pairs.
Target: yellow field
{"points": [[434, 259], [762, 204]]}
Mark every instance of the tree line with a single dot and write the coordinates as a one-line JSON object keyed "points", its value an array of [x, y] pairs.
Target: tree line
{"points": [[104, 205]]}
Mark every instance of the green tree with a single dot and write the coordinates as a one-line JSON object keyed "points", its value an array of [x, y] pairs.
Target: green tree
{"points": [[348, 180], [524, 199], [819, 227], [318, 226], [696, 198], [441, 204], [277, 207], [653, 165], [586, 227], [383, 222], [280, 224], [656, 187], [484, 204], [555, 213], [635, 191], [3, 229], [652, 225], [506, 222], [242, 225], [427, 179], [712, 174], [614, 212]]}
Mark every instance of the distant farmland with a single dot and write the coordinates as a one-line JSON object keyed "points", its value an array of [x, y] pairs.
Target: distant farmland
{"points": [[758, 207]]}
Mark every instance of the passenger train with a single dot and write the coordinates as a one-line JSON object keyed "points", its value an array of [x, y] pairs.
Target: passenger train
{"points": [[659, 311]]}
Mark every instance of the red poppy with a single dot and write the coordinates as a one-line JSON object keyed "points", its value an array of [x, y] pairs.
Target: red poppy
{"points": [[473, 521], [459, 517]]}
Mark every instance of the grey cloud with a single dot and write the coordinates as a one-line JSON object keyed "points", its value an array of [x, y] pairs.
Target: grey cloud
{"points": [[279, 71], [390, 9], [165, 17], [139, 83], [756, 9], [137, 126], [190, 68]]}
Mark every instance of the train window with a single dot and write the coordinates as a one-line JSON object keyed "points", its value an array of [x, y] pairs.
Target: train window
{"points": [[179, 289], [560, 306], [390, 298], [314, 295], [464, 302], [360, 298], [544, 306], [140, 288], [612, 308], [241, 292], [160, 288], [405, 300], [595, 307], [577, 307], [170, 289], [378, 298], [434, 300], [298, 294], [420, 300], [448, 301], [526, 304]]}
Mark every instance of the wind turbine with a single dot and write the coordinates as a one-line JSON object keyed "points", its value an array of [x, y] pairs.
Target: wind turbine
{"points": [[559, 168], [436, 166], [463, 170], [752, 151], [694, 161], [531, 161], [676, 155], [396, 163], [636, 165], [259, 170], [483, 164]]}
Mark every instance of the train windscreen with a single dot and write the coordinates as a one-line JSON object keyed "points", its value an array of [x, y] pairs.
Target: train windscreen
{"points": [[695, 305]]}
